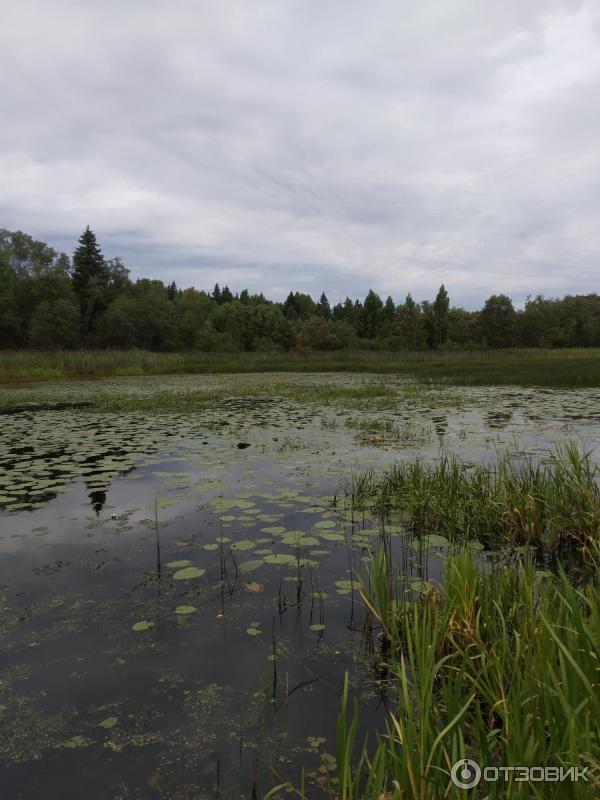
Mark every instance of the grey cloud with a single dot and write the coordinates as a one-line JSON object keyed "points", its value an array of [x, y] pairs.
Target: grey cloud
{"points": [[293, 144]]}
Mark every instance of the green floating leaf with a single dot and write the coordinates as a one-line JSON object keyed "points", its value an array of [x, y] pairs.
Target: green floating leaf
{"points": [[280, 558], [76, 741], [250, 566], [142, 625], [178, 564], [345, 585], [188, 573], [211, 546], [185, 610], [244, 544], [300, 541], [325, 523], [317, 627], [254, 587], [435, 540], [109, 722], [273, 529]]}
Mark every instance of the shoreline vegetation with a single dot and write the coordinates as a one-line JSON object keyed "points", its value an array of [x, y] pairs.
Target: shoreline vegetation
{"points": [[499, 663], [49, 300], [559, 368]]}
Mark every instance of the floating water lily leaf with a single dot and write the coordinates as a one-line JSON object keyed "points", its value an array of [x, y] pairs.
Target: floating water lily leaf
{"points": [[317, 627], [188, 573], [253, 587], [345, 584], [142, 625], [164, 502], [253, 631], [109, 722], [273, 529], [178, 564], [242, 545], [250, 566], [76, 741], [211, 546], [280, 558], [183, 610], [325, 523], [435, 540], [299, 540]]}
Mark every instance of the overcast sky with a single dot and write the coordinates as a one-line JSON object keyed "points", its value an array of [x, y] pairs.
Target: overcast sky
{"points": [[296, 144]]}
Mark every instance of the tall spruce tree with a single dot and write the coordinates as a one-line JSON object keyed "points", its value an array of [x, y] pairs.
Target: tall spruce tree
{"points": [[90, 279], [323, 308], [440, 308]]}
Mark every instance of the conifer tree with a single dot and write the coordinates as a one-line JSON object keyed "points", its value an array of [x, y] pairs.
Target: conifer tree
{"points": [[90, 277]]}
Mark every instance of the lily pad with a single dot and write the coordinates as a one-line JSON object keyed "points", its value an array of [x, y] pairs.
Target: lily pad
{"points": [[75, 742], [280, 558], [244, 544], [250, 566], [183, 610], [188, 573], [435, 540], [300, 541], [142, 625], [254, 587]]}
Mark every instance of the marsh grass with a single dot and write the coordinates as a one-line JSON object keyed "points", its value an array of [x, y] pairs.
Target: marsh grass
{"points": [[377, 430], [516, 502], [151, 399], [502, 666], [557, 368]]}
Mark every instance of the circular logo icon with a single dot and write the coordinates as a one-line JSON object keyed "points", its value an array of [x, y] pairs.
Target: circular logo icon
{"points": [[465, 773]]}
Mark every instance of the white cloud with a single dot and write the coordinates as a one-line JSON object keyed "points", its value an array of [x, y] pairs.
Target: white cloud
{"points": [[295, 144]]}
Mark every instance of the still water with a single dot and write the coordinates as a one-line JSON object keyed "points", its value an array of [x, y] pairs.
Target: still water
{"points": [[178, 601]]}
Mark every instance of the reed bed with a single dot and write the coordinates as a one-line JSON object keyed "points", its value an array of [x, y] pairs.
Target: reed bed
{"points": [[534, 367], [500, 666], [518, 501]]}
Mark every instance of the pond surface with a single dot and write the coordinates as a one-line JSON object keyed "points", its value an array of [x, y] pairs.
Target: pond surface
{"points": [[178, 598]]}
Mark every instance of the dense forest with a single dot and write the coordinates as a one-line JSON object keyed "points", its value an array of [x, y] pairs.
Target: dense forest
{"points": [[48, 300]]}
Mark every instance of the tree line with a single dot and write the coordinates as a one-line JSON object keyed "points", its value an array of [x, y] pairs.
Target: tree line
{"points": [[48, 300]]}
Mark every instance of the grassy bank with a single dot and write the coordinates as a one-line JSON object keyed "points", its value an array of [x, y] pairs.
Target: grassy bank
{"points": [[501, 667], [551, 368], [501, 662]]}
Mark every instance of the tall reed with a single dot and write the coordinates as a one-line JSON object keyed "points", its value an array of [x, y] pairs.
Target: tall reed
{"points": [[518, 501], [503, 667]]}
